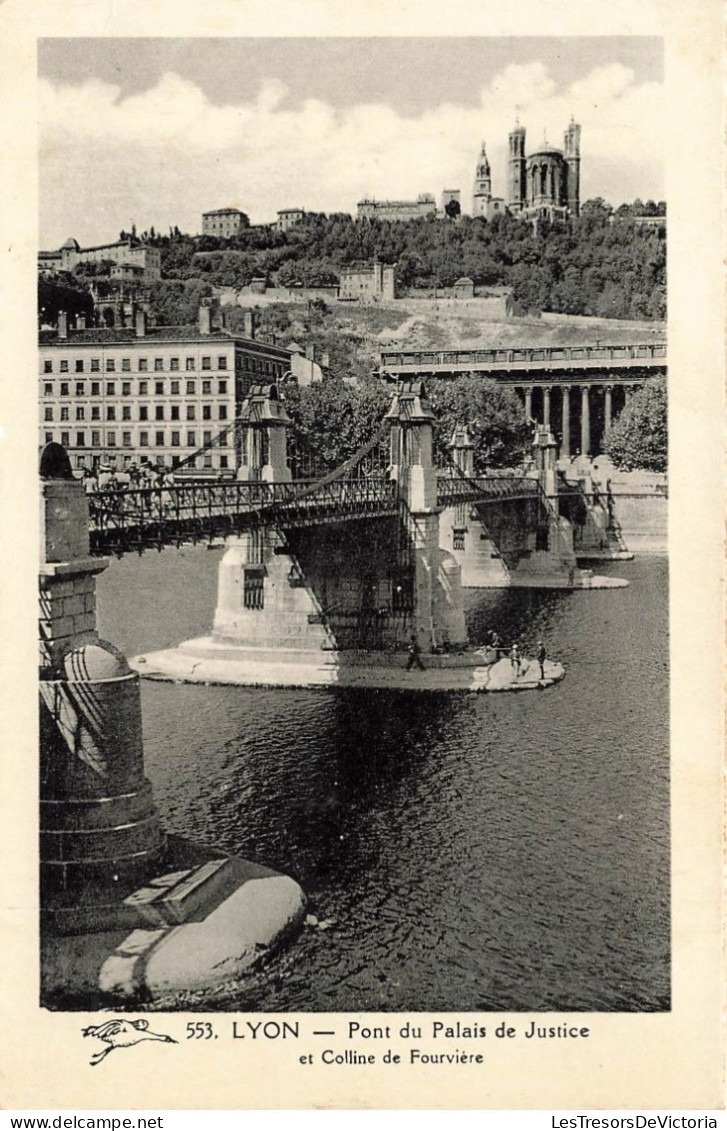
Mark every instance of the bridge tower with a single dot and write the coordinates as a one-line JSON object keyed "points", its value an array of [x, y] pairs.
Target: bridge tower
{"points": [[260, 603], [438, 614], [263, 450]]}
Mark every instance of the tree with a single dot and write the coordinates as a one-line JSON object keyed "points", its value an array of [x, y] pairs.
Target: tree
{"points": [[332, 419], [453, 209], [176, 303], [639, 439], [495, 414], [62, 292]]}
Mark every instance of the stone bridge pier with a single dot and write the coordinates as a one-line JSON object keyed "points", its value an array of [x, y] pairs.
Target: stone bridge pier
{"points": [[437, 597], [347, 583], [512, 542]]}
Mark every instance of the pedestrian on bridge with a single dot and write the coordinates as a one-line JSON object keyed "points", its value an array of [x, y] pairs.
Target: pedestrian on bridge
{"points": [[415, 655]]}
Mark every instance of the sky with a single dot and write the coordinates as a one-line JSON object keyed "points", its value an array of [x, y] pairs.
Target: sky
{"points": [[156, 131]]}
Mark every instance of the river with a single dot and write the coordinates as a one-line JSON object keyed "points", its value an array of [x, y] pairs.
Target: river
{"points": [[464, 852]]}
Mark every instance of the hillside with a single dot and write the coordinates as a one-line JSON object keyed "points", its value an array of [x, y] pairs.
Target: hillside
{"points": [[353, 336]]}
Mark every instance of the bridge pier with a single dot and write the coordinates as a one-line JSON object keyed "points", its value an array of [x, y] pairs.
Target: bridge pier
{"points": [[126, 912], [438, 604], [508, 543]]}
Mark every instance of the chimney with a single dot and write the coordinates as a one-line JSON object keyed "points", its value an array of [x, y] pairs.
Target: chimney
{"points": [[80, 321], [326, 360], [205, 319], [310, 352], [140, 323], [62, 324], [248, 324]]}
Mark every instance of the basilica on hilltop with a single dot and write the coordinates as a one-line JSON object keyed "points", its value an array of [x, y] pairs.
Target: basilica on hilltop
{"points": [[545, 184]]}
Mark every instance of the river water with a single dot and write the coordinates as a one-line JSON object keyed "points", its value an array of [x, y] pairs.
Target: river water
{"points": [[466, 852]]}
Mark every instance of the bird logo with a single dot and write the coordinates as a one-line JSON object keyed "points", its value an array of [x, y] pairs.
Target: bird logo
{"points": [[120, 1034]]}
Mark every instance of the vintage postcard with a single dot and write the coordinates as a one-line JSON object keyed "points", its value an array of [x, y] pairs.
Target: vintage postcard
{"points": [[368, 367]]}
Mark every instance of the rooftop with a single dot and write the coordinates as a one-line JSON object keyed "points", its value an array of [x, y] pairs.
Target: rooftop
{"points": [[128, 336]]}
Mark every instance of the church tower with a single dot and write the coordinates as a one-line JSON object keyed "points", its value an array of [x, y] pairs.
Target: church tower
{"points": [[572, 154], [516, 179], [482, 193]]}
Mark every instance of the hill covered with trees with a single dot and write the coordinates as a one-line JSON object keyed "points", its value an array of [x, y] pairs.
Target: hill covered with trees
{"points": [[605, 263]]}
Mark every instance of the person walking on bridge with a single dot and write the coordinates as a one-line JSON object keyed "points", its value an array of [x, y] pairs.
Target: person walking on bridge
{"points": [[415, 655], [541, 658]]}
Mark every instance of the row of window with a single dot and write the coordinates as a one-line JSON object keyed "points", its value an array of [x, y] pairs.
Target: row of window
{"points": [[125, 413], [82, 461], [142, 364], [64, 389], [160, 440]]}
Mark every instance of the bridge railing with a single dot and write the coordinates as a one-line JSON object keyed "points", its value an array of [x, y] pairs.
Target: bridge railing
{"points": [[453, 489], [141, 518]]}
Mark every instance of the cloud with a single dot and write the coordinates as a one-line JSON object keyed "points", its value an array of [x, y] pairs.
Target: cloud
{"points": [[163, 156]]}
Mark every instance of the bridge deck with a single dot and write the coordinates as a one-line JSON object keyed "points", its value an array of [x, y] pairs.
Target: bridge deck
{"points": [[145, 518]]}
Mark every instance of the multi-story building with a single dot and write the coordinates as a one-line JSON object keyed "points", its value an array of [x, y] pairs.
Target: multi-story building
{"points": [[289, 217], [424, 205], [365, 282], [131, 395], [126, 252], [224, 222]]}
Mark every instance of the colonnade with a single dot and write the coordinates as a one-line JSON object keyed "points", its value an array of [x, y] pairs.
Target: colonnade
{"points": [[581, 422]]}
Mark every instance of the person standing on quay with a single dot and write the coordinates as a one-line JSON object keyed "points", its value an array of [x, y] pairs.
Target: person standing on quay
{"points": [[415, 655], [515, 660], [541, 658]]}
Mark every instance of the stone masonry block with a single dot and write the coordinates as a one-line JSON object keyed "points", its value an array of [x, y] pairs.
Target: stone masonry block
{"points": [[89, 603], [84, 622], [62, 626], [57, 589], [73, 605]]}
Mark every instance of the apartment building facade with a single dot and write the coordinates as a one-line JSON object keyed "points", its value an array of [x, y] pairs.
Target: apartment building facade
{"points": [[129, 396]]}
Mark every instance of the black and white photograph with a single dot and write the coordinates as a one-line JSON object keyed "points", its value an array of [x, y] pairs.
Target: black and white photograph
{"points": [[355, 448], [366, 478]]}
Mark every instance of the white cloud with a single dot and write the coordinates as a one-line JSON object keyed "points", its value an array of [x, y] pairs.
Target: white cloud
{"points": [[163, 156]]}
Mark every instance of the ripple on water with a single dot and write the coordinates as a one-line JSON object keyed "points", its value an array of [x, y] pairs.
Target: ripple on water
{"points": [[471, 852]]}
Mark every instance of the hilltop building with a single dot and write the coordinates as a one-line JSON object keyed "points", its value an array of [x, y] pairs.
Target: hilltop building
{"points": [[546, 184], [483, 202], [127, 252], [424, 205], [224, 222], [289, 217], [451, 197]]}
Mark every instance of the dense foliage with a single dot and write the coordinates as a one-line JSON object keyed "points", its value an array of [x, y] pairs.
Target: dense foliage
{"points": [[333, 419], [602, 264], [495, 415], [638, 439], [62, 292]]}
